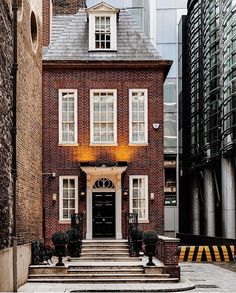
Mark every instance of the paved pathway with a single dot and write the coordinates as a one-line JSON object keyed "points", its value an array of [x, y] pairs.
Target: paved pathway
{"points": [[209, 277], [206, 277]]}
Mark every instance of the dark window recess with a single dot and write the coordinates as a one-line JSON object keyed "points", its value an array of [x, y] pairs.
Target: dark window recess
{"points": [[33, 29], [170, 200]]}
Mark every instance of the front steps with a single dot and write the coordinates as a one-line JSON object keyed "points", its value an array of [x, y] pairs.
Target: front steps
{"points": [[105, 251], [101, 262]]}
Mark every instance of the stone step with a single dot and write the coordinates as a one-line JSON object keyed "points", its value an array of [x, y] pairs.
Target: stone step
{"points": [[104, 249], [106, 271], [98, 276], [108, 266], [104, 254], [105, 241], [105, 280], [105, 246], [105, 259]]}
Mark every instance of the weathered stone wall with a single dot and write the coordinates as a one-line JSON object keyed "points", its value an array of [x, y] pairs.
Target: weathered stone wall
{"points": [[29, 125], [6, 59]]}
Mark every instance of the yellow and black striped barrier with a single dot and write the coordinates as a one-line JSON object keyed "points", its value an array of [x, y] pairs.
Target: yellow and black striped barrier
{"points": [[207, 253]]}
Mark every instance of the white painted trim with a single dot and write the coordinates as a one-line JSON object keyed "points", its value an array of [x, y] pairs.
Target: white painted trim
{"points": [[134, 143], [68, 144], [92, 143], [114, 174], [61, 219], [113, 26], [145, 177], [138, 144], [60, 92], [89, 213], [103, 144]]}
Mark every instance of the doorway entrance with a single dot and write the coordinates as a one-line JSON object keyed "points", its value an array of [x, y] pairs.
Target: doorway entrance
{"points": [[103, 214]]}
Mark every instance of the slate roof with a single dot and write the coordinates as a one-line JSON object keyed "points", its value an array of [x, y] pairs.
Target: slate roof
{"points": [[70, 41]]}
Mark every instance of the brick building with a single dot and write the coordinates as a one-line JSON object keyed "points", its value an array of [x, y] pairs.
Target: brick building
{"points": [[28, 139], [102, 123]]}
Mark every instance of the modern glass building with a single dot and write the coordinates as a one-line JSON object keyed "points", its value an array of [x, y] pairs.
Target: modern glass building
{"points": [[209, 125]]}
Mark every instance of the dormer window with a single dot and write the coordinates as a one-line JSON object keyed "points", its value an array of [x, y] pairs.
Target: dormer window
{"points": [[102, 27]]}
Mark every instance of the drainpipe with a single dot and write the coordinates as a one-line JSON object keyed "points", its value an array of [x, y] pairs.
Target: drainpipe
{"points": [[14, 132]]}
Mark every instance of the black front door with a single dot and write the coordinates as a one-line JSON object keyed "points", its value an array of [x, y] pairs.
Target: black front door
{"points": [[103, 214]]}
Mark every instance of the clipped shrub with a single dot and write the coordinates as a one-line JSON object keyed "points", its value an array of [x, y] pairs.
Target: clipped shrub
{"points": [[60, 237], [150, 237], [72, 234]]}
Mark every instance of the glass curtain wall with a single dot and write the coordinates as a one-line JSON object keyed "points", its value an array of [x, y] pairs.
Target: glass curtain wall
{"points": [[211, 81], [194, 56], [229, 76]]}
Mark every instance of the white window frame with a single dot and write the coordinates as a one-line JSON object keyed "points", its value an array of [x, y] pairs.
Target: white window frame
{"points": [[145, 142], [92, 142], [145, 177], [61, 178], [75, 142], [113, 38]]}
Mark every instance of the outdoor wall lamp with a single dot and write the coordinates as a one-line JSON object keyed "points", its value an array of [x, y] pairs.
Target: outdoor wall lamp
{"points": [[51, 175], [152, 195], [54, 197], [82, 193], [125, 192], [156, 125]]}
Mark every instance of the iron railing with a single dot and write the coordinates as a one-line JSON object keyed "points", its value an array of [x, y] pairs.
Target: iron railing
{"points": [[131, 229], [77, 223]]}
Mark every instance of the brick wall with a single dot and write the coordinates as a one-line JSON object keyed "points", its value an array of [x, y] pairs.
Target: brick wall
{"points": [[167, 252], [142, 160], [29, 127], [47, 18], [67, 6], [6, 60]]}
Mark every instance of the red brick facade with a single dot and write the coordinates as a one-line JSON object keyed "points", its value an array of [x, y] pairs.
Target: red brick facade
{"points": [[167, 252], [65, 160], [67, 6]]}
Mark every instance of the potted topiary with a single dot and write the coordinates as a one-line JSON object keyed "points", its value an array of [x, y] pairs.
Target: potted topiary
{"points": [[150, 240], [137, 239], [74, 244], [60, 239]]}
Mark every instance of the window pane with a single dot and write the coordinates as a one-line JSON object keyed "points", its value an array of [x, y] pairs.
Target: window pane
{"points": [[72, 204], [65, 214], [135, 183], [141, 214], [135, 193], [65, 183], [65, 193], [135, 203], [72, 183], [70, 212], [65, 203], [72, 193]]}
